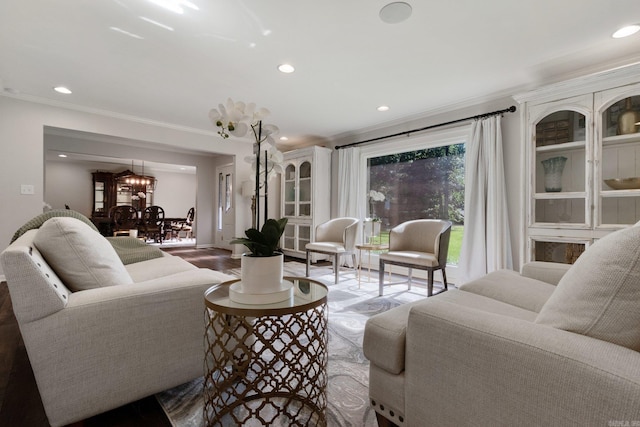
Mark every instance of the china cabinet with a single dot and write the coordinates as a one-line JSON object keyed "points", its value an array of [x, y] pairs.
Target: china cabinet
{"points": [[305, 197], [581, 154], [117, 189]]}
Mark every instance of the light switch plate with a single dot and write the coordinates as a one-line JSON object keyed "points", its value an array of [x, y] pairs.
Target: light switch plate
{"points": [[27, 189]]}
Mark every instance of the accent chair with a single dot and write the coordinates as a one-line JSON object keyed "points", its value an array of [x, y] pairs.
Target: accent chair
{"points": [[421, 244], [336, 237]]}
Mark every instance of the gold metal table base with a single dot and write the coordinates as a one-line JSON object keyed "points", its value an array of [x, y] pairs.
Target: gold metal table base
{"points": [[266, 366]]}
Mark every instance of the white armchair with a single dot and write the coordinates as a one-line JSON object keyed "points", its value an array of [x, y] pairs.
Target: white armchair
{"points": [[421, 244], [336, 237]]}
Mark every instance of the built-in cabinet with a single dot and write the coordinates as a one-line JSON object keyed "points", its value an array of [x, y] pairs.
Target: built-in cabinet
{"points": [[581, 152], [305, 196]]}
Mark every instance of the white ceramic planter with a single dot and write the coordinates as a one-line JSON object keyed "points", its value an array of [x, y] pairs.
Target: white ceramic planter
{"points": [[261, 281], [262, 275]]}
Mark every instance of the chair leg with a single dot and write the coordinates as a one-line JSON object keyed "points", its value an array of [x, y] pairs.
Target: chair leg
{"points": [[380, 277], [335, 267], [444, 279], [430, 283], [409, 281], [308, 261]]}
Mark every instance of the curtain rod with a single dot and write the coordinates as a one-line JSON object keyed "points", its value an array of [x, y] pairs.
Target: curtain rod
{"points": [[511, 109]]}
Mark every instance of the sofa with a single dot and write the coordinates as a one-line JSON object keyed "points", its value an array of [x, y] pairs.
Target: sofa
{"points": [[99, 333], [554, 345]]}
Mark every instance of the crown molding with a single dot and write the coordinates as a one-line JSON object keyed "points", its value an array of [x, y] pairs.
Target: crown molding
{"points": [[615, 77], [106, 113]]}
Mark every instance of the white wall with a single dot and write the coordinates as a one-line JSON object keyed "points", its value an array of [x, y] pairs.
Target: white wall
{"points": [[69, 184], [22, 125], [175, 193]]}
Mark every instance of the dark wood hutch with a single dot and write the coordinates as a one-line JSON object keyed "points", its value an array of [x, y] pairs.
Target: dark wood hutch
{"points": [[122, 188]]}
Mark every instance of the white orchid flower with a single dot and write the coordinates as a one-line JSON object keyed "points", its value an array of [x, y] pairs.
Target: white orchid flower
{"points": [[376, 196], [273, 166]]}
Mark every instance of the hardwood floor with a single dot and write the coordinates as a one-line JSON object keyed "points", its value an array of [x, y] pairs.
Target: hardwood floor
{"points": [[20, 403]]}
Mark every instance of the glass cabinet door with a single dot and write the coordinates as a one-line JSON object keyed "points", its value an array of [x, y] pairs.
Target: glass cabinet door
{"points": [[290, 191], [554, 250], [618, 180], [560, 170], [98, 197], [304, 195]]}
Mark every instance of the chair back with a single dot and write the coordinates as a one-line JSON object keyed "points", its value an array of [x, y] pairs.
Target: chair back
{"points": [[422, 235], [340, 230], [153, 216], [125, 217], [190, 216]]}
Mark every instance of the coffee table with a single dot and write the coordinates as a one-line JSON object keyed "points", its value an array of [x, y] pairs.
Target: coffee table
{"points": [[266, 364]]}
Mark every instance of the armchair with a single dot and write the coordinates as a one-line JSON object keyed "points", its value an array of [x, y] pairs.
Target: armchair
{"points": [[421, 244], [336, 237], [511, 349]]}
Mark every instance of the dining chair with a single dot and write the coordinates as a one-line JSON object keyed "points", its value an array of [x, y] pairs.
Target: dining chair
{"points": [[336, 237], [125, 218], [421, 244], [153, 223], [184, 229]]}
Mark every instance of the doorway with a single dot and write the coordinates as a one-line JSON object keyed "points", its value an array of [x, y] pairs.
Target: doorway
{"points": [[225, 223]]}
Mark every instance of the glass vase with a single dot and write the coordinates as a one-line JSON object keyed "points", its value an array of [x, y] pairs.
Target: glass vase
{"points": [[553, 168]]}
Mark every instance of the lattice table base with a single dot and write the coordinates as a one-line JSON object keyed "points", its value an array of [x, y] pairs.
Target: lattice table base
{"points": [[267, 370]]}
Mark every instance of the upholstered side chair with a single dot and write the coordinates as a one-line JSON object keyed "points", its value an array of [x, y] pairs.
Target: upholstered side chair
{"points": [[336, 237], [422, 244]]}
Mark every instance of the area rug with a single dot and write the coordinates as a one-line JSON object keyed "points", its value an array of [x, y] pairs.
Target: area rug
{"points": [[350, 305]]}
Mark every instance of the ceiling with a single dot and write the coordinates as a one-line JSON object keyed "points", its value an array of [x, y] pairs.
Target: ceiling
{"points": [[347, 60]]}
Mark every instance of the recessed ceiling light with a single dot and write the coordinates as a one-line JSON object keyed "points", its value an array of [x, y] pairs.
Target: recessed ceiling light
{"points": [[62, 155], [62, 89], [383, 108], [626, 31], [286, 68], [396, 12], [284, 138]]}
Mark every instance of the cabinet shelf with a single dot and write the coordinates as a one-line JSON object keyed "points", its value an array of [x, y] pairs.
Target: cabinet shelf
{"points": [[561, 195], [611, 141], [575, 145], [620, 193]]}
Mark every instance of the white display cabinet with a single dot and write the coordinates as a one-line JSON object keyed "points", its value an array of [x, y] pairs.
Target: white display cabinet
{"points": [[577, 135], [306, 196]]}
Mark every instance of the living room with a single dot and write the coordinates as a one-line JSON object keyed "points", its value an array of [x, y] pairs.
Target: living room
{"points": [[139, 123]]}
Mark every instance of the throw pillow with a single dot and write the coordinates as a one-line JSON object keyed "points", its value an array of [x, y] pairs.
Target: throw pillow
{"points": [[599, 296], [79, 255]]}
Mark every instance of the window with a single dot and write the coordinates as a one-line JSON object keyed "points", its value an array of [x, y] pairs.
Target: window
{"points": [[426, 182]]}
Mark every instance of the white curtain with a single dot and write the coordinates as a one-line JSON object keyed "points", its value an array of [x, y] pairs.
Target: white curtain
{"points": [[486, 244], [349, 203]]}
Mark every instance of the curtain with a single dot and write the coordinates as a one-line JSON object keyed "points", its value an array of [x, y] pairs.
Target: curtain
{"points": [[349, 200], [486, 244], [349, 203]]}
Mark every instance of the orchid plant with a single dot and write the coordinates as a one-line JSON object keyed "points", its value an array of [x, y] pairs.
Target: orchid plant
{"points": [[375, 196], [237, 119]]}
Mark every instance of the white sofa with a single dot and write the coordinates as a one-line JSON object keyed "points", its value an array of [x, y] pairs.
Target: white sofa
{"points": [[134, 331], [554, 346]]}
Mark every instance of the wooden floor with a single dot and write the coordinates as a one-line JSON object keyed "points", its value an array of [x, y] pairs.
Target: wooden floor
{"points": [[20, 403]]}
